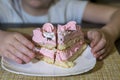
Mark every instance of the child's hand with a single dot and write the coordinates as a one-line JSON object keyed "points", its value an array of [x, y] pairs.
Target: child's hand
{"points": [[101, 43], [16, 47]]}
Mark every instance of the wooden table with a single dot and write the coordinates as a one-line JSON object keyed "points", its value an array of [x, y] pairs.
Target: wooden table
{"points": [[108, 69]]}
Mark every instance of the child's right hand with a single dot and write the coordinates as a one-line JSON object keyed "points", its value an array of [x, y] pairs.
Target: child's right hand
{"points": [[16, 47]]}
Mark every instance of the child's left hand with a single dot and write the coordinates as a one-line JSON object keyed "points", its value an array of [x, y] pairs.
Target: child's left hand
{"points": [[101, 43]]}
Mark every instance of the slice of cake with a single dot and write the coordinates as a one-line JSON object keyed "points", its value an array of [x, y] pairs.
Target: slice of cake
{"points": [[45, 36], [59, 46], [69, 35], [47, 55], [70, 44], [66, 57]]}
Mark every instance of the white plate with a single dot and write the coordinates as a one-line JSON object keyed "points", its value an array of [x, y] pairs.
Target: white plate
{"points": [[84, 63]]}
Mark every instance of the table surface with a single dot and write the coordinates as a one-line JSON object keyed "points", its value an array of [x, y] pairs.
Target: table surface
{"points": [[108, 69]]}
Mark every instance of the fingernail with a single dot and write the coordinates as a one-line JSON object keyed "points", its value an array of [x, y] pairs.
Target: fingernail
{"points": [[93, 51], [32, 55], [19, 61], [101, 58], [91, 44], [27, 60], [90, 32], [31, 46], [95, 55]]}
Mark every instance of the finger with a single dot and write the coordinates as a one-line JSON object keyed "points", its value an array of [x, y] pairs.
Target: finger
{"points": [[24, 41], [94, 36], [20, 47], [8, 55], [18, 54], [104, 55], [96, 39], [99, 46], [100, 53], [90, 37]]}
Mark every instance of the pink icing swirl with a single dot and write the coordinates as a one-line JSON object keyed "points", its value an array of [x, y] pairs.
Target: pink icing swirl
{"points": [[37, 35], [69, 26], [48, 27]]}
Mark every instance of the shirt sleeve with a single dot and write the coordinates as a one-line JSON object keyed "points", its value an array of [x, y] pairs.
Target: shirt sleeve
{"points": [[3, 13], [75, 10]]}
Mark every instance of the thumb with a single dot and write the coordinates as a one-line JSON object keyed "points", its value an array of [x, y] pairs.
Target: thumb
{"points": [[90, 36]]}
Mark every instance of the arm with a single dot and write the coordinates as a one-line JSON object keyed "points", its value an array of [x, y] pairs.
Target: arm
{"points": [[105, 15], [101, 40]]}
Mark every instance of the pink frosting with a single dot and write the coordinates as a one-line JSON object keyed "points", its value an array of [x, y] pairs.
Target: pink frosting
{"points": [[39, 38], [64, 35], [47, 52], [65, 55], [60, 55], [48, 27], [37, 35], [69, 26], [57, 54]]}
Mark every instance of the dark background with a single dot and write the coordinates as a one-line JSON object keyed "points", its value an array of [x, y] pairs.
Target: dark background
{"points": [[107, 2]]}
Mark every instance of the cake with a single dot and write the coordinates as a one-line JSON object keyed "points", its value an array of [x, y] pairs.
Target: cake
{"points": [[45, 36], [59, 45], [68, 35]]}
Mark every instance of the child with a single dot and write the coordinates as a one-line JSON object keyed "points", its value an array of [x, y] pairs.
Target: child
{"points": [[17, 47]]}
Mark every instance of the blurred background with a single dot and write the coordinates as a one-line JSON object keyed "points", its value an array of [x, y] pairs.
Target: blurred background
{"points": [[108, 2], [115, 3]]}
